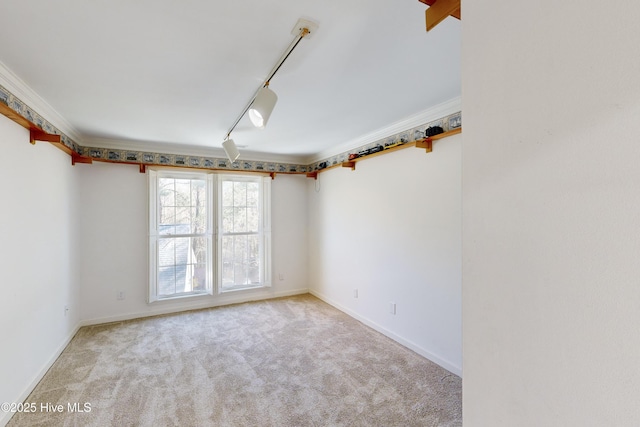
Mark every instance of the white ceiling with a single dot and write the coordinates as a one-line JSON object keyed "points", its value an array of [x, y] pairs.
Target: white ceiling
{"points": [[157, 73]]}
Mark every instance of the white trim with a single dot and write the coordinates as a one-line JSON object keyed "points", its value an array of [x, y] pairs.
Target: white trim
{"points": [[6, 416], [152, 218], [212, 230], [266, 230], [451, 367], [260, 294], [21, 89], [437, 112]]}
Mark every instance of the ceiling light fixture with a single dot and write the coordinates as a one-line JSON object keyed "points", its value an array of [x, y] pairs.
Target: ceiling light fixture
{"points": [[231, 150], [264, 100], [262, 106]]}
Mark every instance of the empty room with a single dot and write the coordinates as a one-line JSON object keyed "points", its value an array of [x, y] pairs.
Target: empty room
{"points": [[298, 213]]}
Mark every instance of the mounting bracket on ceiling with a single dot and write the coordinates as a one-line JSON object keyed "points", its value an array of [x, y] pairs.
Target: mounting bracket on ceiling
{"points": [[302, 23]]}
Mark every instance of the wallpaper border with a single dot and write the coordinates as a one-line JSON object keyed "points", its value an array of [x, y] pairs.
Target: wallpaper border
{"points": [[152, 158]]}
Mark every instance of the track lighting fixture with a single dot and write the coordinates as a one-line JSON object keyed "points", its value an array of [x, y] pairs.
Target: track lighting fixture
{"points": [[231, 150], [264, 100], [262, 107]]}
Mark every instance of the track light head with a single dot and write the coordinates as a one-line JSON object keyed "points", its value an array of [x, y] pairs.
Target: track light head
{"points": [[262, 107], [231, 150]]}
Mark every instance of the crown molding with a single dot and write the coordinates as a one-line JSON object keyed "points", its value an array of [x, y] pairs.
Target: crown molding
{"points": [[434, 113], [22, 91], [186, 150]]}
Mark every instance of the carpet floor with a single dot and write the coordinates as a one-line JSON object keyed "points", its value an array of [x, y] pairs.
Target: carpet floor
{"points": [[292, 361]]}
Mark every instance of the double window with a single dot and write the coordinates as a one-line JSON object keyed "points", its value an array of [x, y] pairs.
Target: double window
{"points": [[208, 233]]}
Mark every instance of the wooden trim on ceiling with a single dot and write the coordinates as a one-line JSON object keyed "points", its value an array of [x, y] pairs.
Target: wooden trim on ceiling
{"points": [[439, 10]]}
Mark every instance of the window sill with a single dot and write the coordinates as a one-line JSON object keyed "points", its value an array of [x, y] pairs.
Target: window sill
{"points": [[242, 288], [181, 297]]}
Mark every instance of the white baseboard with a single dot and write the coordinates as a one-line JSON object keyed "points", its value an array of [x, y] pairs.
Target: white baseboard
{"points": [[233, 298], [454, 369], [6, 416]]}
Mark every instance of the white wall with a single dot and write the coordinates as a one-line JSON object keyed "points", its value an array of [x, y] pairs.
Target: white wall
{"points": [[551, 213], [391, 229], [38, 260], [113, 230]]}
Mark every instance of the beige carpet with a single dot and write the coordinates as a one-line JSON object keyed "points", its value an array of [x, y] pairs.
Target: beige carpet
{"points": [[285, 362]]}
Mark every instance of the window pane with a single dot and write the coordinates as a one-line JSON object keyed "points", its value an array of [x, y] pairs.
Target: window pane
{"points": [[227, 260], [240, 273], [167, 219], [198, 195], [199, 249], [167, 214], [240, 261], [239, 194], [198, 220], [227, 274], [199, 259], [227, 249], [166, 191], [198, 210], [183, 192], [254, 259], [182, 202], [227, 220], [183, 216], [166, 280], [227, 193], [182, 265], [166, 252], [252, 194], [240, 248], [253, 219], [200, 277], [239, 220]]}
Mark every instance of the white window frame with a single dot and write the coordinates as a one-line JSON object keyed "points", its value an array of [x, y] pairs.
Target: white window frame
{"points": [[264, 230], [155, 236], [213, 233]]}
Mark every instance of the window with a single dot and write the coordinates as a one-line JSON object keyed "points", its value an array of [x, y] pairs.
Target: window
{"points": [[244, 232], [183, 209], [180, 234]]}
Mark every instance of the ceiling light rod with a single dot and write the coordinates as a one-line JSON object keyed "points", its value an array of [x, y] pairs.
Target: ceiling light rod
{"points": [[303, 32]]}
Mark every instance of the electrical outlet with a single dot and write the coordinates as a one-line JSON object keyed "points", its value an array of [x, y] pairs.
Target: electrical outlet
{"points": [[120, 295], [281, 276], [355, 293], [392, 308]]}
